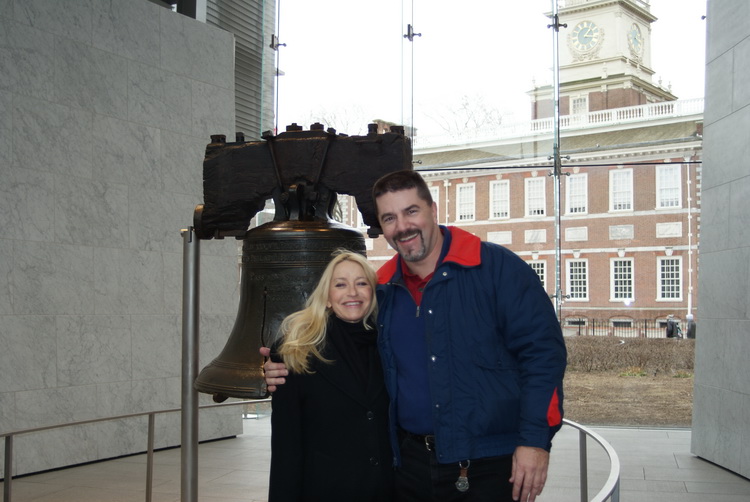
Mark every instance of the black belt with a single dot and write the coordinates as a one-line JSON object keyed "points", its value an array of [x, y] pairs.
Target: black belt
{"points": [[428, 440]]}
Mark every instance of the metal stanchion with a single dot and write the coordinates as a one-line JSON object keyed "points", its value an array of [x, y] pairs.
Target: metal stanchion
{"points": [[8, 468], [190, 319]]}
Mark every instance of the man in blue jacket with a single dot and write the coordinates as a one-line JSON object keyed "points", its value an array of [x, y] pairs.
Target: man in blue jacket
{"points": [[472, 353]]}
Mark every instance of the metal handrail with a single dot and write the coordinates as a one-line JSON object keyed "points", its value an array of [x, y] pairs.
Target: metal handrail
{"points": [[9, 436], [611, 489]]}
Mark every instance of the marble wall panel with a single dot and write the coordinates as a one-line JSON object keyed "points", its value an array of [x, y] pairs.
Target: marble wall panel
{"points": [[740, 75], [6, 269], [168, 428], [156, 218], [91, 212], [60, 405], [213, 111], [159, 98], [27, 60], [128, 29], [715, 226], [8, 412], [220, 284], [91, 79], [219, 423], [716, 106], [124, 152], [716, 278], [6, 9], [27, 203], [114, 398], [154, 394], [93, 349], [197, 50], [52, 279], [739, 213], [706, 407], [121, 437], [52, 137], [182, 164], [157, 346], [219, 276], [727, 27], [6, 129], [29, 353], [128, 281], [726, 144], [67, 19], [55, 448]]}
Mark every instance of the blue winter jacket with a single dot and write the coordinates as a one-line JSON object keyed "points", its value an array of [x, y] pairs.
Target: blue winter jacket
{"points": [[495, 349]]}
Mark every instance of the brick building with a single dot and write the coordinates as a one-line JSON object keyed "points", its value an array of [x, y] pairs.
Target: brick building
{"points": [[630, 187]]}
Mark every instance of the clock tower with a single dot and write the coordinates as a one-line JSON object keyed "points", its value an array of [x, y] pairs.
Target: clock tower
{"points": [[605, 58]]}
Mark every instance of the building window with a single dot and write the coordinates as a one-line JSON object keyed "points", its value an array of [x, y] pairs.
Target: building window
{"points": [[621, 190], [465, 196], [670, 278], [577, 194], [499, 199], [579, 105], [540, 267], [578, 280], [668, 193], [536, 202], [622, 279], [435, 193]]}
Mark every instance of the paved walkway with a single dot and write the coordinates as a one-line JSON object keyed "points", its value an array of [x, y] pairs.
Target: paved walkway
{"points": [[656, 466]]}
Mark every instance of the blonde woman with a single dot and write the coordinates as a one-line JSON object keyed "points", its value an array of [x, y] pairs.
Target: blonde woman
{"points": [[330, 421]]}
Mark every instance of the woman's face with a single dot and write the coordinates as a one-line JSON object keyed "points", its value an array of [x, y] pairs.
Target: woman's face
{"points": [[349, 294]]}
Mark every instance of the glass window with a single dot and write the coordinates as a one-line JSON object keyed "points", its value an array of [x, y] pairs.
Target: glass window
{"points": [[540, 267], [668, 193], [577, 194], [535, 197], [622, 279], [621, 190], [578, 280], [670, 278], [499, 199], [465, 195]]}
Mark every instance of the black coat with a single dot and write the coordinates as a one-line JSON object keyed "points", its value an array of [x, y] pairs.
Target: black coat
{"points": [[330, 437]]}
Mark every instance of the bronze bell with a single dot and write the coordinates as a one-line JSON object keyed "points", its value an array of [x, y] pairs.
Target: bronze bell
{"points": [[281, 264], [283, 260]]}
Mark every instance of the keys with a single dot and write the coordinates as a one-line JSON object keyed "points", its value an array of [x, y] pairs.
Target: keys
{"points": [[462, 484]]}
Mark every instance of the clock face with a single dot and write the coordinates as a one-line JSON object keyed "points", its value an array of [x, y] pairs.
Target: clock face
{"points": [[585, 36], [635, 39]]}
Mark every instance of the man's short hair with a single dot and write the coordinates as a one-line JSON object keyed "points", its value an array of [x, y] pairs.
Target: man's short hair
{"points": [[402, 180]]}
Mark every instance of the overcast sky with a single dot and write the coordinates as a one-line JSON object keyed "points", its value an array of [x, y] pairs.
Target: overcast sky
{"points": [[346, 61]]}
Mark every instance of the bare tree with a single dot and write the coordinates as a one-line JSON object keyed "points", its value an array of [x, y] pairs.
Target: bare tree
{"points": [[470, 113]]}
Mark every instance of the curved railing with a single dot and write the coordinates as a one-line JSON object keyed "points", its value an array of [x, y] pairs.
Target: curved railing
{"points": [[610, 490]]}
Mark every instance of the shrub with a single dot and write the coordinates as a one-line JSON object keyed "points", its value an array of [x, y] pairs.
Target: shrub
{"points": [[650, 355]]}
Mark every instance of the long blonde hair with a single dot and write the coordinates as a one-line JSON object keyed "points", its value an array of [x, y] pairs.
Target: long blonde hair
{"points": [[304, 332]]}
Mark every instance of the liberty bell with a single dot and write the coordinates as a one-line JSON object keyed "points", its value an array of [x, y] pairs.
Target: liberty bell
{"points": [[282, 260]]}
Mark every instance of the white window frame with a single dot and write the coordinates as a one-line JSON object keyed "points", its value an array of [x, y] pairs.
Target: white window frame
{"points": [[465, 202], [500, 200], [668, 187], [621, 288], [660, 279], [573, 294], [621, 190], [435, 193], [577, 194], [535, 197], [579, 105], [540, 267]]}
